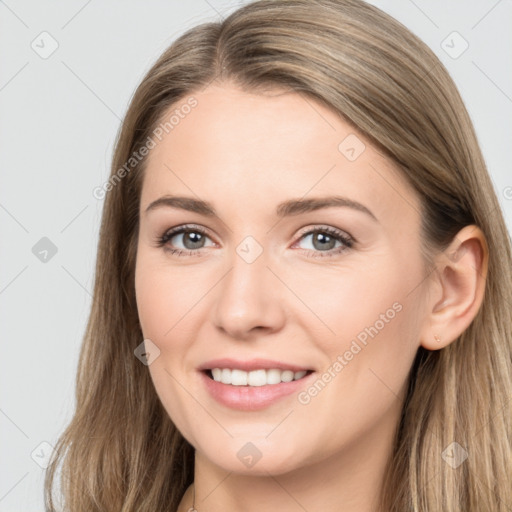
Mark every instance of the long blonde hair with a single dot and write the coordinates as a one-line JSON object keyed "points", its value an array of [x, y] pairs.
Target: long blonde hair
{"points": [[121, 451]]}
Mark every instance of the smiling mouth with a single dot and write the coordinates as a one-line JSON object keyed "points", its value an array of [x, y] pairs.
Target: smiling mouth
{"points": [[256, 378]]}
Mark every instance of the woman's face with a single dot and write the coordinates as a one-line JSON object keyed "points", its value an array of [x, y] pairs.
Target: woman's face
{"points": [[264, 281]]}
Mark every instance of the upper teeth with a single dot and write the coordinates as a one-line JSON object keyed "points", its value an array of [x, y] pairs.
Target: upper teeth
{"points": [[255, 377]]}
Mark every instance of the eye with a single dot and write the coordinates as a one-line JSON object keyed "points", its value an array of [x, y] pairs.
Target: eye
{"points": [[191, 237], [323, 240]]}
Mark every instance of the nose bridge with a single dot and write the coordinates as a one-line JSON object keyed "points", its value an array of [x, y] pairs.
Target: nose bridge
{"points": [[248, 297]]}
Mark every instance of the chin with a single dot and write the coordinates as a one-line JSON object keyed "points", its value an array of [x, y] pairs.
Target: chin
{"points": [[257, 457]]}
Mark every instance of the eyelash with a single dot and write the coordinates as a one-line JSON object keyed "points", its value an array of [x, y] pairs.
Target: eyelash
{"points": [[338, 235]]}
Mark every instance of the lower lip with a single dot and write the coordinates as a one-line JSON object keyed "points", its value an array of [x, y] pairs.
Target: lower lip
{"points": [[251, 398]]}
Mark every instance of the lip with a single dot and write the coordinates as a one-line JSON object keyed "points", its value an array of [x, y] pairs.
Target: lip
{"points": [[253, 364], [252, 398]]}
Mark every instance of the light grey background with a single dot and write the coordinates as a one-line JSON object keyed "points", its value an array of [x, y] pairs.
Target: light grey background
{"points": [[59, 118]]}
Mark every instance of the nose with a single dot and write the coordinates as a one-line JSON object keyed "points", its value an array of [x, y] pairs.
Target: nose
{"points": [[250, 299]]}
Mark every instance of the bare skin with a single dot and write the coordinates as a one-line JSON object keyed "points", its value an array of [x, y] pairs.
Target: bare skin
{"points": [[303, 300]]}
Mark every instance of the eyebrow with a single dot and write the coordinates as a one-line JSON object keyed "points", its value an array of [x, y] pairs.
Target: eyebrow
{"points": [[285, 209]]}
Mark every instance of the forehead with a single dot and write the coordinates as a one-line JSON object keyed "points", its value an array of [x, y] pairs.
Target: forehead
{"points": [[247, 151]]}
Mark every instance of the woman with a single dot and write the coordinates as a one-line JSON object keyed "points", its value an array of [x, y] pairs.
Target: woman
{"points": [[303, 284]]}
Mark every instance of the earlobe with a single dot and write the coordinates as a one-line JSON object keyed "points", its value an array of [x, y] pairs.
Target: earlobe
{"points": [[460, 277]]}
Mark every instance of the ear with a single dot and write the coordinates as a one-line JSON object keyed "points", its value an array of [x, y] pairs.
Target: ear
{"points": [[457, 288]]}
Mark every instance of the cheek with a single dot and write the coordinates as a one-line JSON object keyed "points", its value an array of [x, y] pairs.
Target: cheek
{"points": [[374, 327], [375, 304], [160, 308], [151, 303], [361, 389], [347, 300], [164, 321], [158, 300]]}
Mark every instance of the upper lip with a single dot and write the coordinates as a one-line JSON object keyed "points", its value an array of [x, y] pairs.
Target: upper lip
{"points": [[253, 364]]}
